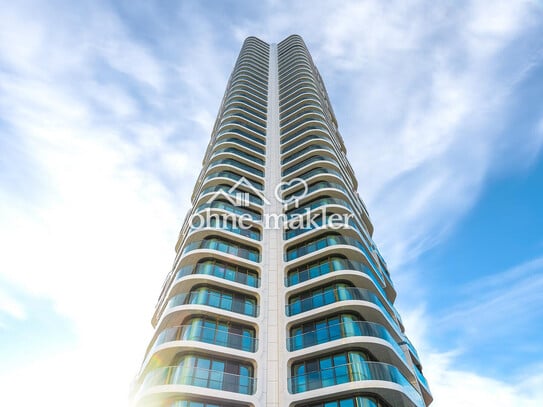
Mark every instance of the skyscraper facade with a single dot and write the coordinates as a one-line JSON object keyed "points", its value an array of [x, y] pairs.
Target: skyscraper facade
{"points": [[278, 296]]}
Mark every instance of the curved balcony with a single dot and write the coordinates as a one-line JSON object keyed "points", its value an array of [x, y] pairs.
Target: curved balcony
{"points": [[316, 187], [309, 100], [306, 162], [303, 151], [362, 400], [308, 138], [239, 111], [233, 176], [297, 94], [309, 224], [252, 74], [354, 372], [237, 164], [255, 89], [243, 122], [333, 239], [240, 142], [220, 269], [311, 173], [244, 103], [213, 336], [299, 76], [254, 64], [217, 298], [320, 242], [195, 376], [245, 97], [317, 203], [292, 65], [297, 87], [304, 129], [335, 293], [295, 118], [309, 116], [342, 330], [248, 136], [184, 402], [225, 246], [236, 152], [240, 93]]}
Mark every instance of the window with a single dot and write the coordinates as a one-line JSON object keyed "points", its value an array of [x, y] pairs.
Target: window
{"points": [[328, 370], [213, 373]]}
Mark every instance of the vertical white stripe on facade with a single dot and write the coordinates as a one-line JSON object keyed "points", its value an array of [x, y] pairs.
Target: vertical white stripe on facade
{"points": [[273, 375]]}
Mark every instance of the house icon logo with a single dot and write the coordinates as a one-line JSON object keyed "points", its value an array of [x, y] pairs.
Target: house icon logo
{"points": [[237, 195]]}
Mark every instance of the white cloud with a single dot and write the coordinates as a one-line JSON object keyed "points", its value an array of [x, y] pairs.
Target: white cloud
{"points": [[11, 307], [452, 385]]}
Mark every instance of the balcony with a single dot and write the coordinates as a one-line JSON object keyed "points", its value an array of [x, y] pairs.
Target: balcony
{"points": [[354, 372], [337, 293], [195, 376], [208, 335], [342, 330]]}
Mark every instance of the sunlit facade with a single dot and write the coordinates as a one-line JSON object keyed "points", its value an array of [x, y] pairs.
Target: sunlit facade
{"points": [[255, 314]]}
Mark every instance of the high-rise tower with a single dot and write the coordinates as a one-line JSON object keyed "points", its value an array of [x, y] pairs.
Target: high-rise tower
{"points": [[278, 296]]}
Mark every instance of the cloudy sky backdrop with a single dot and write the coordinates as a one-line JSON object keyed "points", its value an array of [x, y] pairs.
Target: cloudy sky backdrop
{"points": [[106, 109]]}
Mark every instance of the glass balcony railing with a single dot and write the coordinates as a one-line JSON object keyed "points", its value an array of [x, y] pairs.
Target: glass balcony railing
{"points": [[195, 376], [233, 176], [292, 136], [240, 153], [207, 335], [309, 99], [304, 151], [221, 269], [237, 164], [354, 372], [311, 109], [285, 150], [334, 294], [422, 379], [244, 97], [241, 143], [244, 122], [316, 187], [318, 203], [410, 346], [242, 133], [241, 104], [225, 246], [295, 167], [312, 173], [312, 224], [222, 299], [331, 240], [244, 114], [342, 330]]}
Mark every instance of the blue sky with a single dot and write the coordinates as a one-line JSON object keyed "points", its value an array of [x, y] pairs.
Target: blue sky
{"points": [[106, 109]]}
